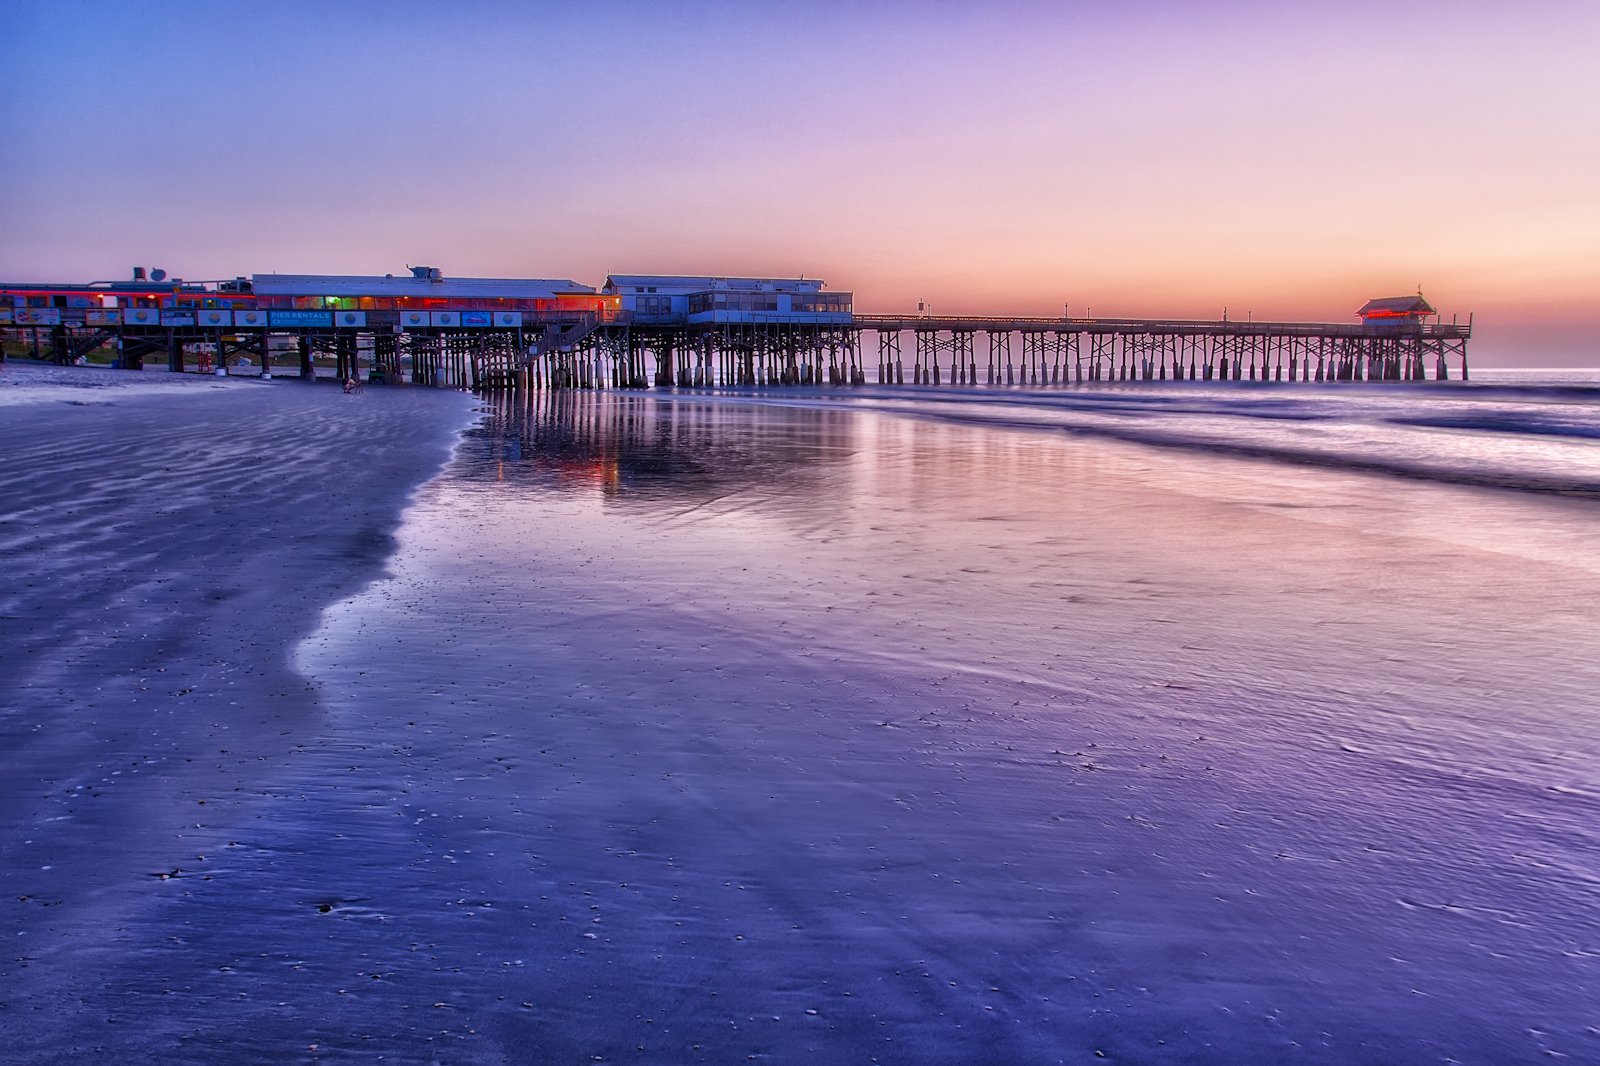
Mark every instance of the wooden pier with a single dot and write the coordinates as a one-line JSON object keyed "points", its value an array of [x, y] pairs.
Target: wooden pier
{"points": [[618, 351], [1031, 352], [1069, 351]]}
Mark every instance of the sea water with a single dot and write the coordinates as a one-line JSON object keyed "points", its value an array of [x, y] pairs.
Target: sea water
{"points": [[1153, 724]]}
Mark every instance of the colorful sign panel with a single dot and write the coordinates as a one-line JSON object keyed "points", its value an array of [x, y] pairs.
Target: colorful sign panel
{"points": [[141, 316], [38, 316], [477, 319], [177, 318], [350, 318], [511, 319], [102, 318], [250, 319], [213, 318], [302, 318], [414, 319], [5, 316], [445, 318]]}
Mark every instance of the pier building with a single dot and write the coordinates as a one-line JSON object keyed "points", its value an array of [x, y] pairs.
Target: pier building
{"points": [[648, 298], [639, 330], [1396, 312], [698, 331], [425, 289]]}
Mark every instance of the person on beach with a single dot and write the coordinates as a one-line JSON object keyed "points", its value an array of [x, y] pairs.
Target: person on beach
{"points": [[349, 386]]}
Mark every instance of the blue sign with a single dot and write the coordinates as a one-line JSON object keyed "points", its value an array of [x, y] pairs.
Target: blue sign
{"points": [[302, 318], [477, 318]]}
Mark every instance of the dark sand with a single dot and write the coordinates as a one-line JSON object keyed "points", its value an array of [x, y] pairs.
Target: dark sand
{"points": [[165, 541]]}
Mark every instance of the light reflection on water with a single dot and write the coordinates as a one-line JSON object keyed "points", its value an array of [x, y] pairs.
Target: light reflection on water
{"points": [[1537, 438], [711, 727], [1173, 722], [639, 446]]}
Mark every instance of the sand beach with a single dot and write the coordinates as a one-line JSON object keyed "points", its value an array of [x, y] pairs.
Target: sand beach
{"points": [[788, 728], [166, 540]]}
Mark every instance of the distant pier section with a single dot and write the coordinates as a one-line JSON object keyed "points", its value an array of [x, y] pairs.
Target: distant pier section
{"points": [[639, 331]]}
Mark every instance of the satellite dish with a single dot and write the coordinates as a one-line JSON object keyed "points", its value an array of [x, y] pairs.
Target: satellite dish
{"points": [[158, 274]]}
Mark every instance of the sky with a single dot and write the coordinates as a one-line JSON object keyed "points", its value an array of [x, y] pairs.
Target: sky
{"points": [[1119, 159]]}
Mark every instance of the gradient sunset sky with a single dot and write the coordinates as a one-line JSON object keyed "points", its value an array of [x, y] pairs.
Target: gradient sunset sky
{"points": [[1132, 158]]}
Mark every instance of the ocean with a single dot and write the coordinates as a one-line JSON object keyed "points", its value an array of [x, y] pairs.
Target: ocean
{"points": [[1178, 724]]}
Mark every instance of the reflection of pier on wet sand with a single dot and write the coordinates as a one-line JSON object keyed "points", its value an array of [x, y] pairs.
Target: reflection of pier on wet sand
{"points": [[696, 448]]}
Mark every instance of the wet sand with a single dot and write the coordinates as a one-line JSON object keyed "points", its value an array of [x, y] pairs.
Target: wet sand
{"points": [[688, 729], [717, 732], [165, 542]]}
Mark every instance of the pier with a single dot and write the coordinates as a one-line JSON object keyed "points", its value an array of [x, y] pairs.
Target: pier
{"points": [[639, 332], [1009, 351]]}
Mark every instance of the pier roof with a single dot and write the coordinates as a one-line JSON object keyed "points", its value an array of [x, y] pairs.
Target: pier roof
{"points": [[411, 285], [1392, 306], [688, 283], [101, 288]]}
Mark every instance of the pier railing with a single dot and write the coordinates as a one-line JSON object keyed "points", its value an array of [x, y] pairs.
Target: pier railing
{"points": [[1176, 326]]}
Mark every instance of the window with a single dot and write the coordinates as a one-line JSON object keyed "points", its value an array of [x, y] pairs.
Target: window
{"points": [[750, 302], [831, 303]]}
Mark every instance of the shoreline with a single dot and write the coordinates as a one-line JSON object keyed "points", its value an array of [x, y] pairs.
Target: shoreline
{"points": [[168, 549]]}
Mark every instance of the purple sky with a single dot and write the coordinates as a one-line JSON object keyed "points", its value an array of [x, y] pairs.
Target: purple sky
{"points": [[1132, 158]]}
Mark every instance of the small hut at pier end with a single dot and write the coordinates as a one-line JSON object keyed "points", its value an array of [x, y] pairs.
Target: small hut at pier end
{"points": [[1396, 312]]}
